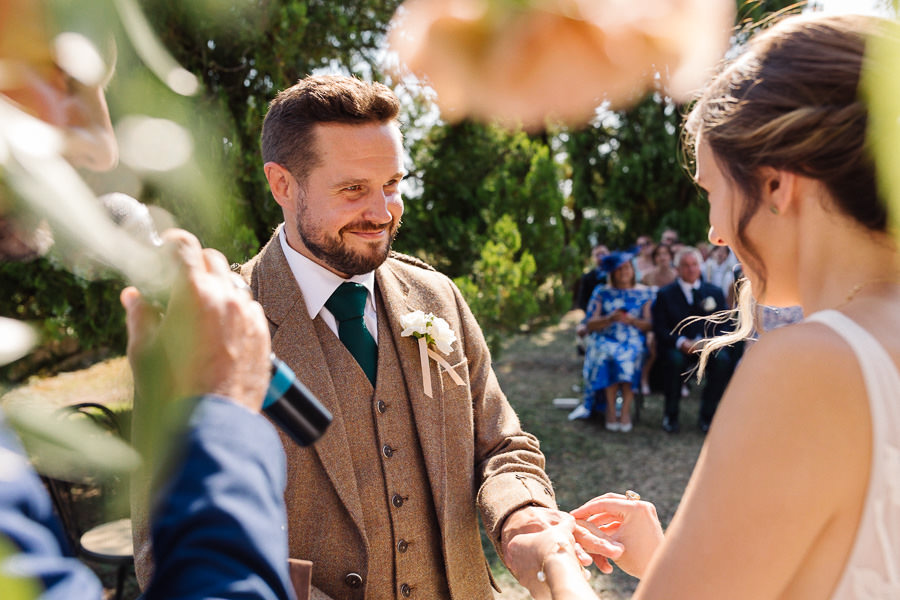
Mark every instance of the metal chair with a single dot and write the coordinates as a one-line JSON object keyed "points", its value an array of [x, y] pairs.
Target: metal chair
{"points": [[78, 502]]}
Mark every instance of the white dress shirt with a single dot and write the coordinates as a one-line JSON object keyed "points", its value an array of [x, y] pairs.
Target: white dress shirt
{"points": [[318, 283], [688, 290]]}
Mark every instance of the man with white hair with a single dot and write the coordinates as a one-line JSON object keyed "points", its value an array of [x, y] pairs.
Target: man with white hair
{"points": [[685, 298]]}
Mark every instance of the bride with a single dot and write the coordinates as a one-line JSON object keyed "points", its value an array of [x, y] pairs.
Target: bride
{"points": [[796, 493]]}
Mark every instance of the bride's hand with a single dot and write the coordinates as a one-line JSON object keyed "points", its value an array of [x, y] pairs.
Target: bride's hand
{"points": [[615, 518]]}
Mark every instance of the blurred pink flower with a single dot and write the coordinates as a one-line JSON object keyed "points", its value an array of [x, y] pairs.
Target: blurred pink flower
{"points": [[526, 61]]}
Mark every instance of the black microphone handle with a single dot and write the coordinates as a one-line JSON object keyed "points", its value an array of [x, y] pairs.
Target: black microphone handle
{"points": [[293, 407]]}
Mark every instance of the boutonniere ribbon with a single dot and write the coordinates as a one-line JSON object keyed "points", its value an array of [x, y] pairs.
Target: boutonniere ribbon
{"points": [[432, 332]]}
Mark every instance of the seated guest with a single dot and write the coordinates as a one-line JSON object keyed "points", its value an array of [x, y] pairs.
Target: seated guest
{"points": [[617, 318], [663, 273], [669, 237], [592, 278], [678, 340], [718, 269], [643, 260]]}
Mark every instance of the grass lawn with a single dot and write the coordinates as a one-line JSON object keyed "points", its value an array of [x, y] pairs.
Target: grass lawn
{"points": [[583, 459]]}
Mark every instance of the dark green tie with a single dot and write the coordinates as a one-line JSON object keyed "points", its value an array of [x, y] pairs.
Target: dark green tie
{"points": [[348, 304]]}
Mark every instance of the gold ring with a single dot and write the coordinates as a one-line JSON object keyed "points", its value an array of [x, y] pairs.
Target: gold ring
{"points": [[632, 495]]}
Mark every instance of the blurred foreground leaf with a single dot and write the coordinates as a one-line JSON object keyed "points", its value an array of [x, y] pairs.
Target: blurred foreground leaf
{"points": [[881, 88], [14, 588], [69, 448]]}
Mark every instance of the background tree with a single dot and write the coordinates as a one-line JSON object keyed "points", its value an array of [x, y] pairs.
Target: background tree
{"points": [[473, 182], [475, 189]]}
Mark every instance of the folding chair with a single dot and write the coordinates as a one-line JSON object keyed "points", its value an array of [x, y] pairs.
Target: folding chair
{"points": [[76, 501]]}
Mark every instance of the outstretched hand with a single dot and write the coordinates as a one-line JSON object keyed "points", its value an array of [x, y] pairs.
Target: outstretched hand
{"points": [[631, 524]]}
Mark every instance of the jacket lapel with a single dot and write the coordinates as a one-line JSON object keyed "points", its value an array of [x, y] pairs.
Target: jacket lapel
{"points": [[399, 299], [295, 341]]}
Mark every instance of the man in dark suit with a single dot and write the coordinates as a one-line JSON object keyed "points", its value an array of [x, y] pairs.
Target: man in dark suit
{"points": [[689, 296]]}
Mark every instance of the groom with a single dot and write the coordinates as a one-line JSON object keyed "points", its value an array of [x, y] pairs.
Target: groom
{"points": [[385, 504]]}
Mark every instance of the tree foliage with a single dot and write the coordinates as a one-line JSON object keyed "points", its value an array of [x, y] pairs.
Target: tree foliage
{"points": [[501, 289], [472, 178], [510, 216], [628, 176]]}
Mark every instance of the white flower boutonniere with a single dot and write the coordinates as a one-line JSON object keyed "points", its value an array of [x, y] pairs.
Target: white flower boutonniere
{"points": [[432, 332], [709, 304]]}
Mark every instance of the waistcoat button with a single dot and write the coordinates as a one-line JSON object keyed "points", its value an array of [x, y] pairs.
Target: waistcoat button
{"points": [[353, 580], [381, 407], [402, 546], [387, 451], [405, 590], [397, 500]]}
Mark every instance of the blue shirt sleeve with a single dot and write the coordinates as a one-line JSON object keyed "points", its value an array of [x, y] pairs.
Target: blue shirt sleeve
{"points": [[31, 528], [219, 528]]}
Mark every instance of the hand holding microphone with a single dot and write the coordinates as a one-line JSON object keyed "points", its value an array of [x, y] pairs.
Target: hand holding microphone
{"points": [[212, 338]]}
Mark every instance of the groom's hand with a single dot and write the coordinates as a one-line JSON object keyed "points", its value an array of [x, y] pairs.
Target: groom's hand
{"points": [[527, 520]]}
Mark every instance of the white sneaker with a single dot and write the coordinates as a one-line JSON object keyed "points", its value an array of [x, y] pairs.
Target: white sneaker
{"points": [[625, 427], [580, 412], [685, 392], [613, 426]]}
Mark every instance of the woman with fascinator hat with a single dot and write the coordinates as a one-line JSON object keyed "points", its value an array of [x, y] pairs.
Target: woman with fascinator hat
{"points": [[615, 323]]}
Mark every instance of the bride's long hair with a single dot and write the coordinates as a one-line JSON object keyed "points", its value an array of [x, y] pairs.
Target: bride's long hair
{"points": [[790, 102]]}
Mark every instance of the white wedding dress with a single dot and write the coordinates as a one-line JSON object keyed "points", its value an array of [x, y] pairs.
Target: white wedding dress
{"points": [[873, 569]]}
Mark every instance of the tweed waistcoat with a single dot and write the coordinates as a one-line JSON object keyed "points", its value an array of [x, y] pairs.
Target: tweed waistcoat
{"points": [[400, 529]]}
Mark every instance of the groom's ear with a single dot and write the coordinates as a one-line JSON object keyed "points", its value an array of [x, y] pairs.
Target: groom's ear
{"points": [[282, 184]]}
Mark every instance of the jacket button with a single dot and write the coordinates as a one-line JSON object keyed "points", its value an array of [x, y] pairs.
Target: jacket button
{"points": [[397, 500], [387, 451], [402, 546], [381, 407], [405, 590], [353, 580]]}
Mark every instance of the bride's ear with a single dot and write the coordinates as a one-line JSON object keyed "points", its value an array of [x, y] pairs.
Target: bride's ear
{"points": [[778, 190]]}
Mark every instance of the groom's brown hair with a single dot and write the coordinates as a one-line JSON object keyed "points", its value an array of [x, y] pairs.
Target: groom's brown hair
{"points": [[288, 133]]}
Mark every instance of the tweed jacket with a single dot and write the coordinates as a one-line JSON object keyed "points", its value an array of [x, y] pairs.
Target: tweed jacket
{"points": [[475, 452]]}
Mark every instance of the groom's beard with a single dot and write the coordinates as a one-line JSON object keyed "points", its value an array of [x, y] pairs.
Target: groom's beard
{"points": [[335, 253]]}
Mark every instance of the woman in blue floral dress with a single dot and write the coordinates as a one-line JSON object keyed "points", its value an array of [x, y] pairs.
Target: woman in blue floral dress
{"points": [[616, 322]]}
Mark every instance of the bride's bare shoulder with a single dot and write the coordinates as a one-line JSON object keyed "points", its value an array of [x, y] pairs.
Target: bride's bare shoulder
{"points": [[802, 345], [807, 362]]}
